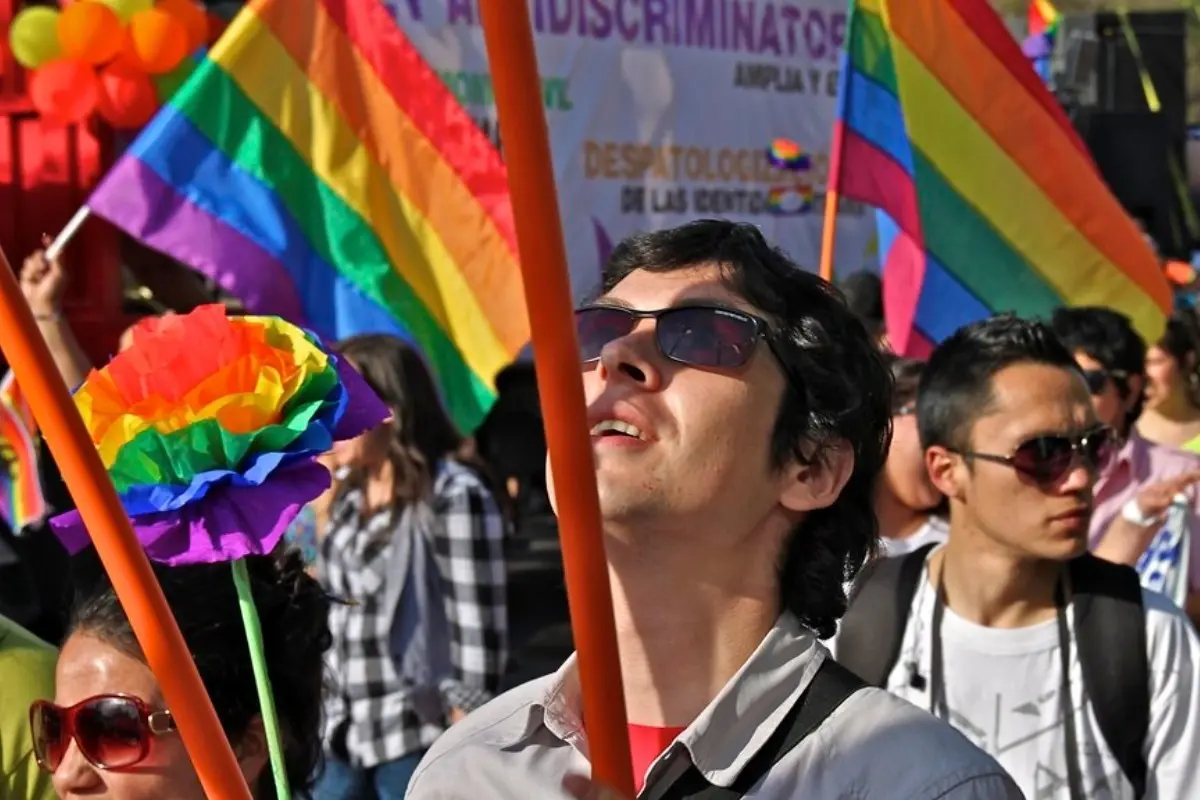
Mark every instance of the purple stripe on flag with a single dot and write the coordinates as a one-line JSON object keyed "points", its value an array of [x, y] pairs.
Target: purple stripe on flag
{"points": [[169, 222]]}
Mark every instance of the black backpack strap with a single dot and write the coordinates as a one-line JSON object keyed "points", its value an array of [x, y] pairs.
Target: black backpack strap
{"points": [[872, 631], [829, 688], [1110, 634]]}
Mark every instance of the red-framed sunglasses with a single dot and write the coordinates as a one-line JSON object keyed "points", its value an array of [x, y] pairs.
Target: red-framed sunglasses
{"points": [[112, 731]]}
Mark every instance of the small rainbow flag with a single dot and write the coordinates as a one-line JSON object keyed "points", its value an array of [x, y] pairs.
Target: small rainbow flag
{"points": [[988, 199], [1042, 16], [318, 169], [21, 501]]}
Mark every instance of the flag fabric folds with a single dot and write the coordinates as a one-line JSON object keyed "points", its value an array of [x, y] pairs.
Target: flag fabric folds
{"points": [[988, 199], [318, 169]]}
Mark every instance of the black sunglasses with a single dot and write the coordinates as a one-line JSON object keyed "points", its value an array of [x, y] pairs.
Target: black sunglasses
{"points": [[699, 335], [1098, 380], [1046, 459]]}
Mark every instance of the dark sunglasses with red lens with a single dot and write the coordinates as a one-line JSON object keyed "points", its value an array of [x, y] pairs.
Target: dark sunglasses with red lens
{"points": [[112, 731], [1046, 459], [697, 335]]}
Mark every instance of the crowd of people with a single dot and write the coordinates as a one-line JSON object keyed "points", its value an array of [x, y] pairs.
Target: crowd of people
{"points": [[836, 572]]}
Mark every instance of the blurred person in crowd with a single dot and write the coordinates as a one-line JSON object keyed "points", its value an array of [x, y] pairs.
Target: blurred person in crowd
{"points": [[864, 295], [907, 503], [26, 675], [415, 546], [740, 417], [1136, 489], [993, 639], [512, 442], [108, 732], [1172, 408]]}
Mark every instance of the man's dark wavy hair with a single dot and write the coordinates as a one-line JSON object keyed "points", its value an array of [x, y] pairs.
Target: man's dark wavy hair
{"points": [[838, 391]]}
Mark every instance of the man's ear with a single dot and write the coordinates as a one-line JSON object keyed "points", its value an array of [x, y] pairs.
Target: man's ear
{"points": [[819, 483], [251, 751], [945, 470]]}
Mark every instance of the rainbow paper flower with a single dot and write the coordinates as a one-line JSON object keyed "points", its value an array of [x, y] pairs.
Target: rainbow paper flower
{"points": [[786, 154], [209, 426]]}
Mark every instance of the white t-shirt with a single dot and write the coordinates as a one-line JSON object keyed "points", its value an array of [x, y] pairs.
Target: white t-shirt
{"points": [[1002, 688], [935, 530]]}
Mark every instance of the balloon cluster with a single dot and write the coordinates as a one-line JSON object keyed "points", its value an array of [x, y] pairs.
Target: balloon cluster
{"points": [[118, 58]]}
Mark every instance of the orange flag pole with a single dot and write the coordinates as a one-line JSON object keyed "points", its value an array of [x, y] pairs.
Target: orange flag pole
{"points": [[833, 193], [509, 36], [123, 557]]}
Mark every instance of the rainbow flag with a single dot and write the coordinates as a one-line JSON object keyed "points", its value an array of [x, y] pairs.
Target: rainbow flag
{"points": [[21, 501], [988, 199], [1042, 16], [319, 170]]}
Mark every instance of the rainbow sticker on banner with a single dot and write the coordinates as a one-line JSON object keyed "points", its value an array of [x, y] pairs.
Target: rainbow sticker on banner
{"points": [[786, 154], [786, 201]]}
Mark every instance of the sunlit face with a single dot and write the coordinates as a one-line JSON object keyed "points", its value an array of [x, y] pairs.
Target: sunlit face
{"points": [[702, 462], [89, 666], [363, 452], [1048, 522], [1164, 378], [904, 472]]}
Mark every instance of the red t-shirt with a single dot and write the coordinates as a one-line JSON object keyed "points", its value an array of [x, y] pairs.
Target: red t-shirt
{"points": [[647, 743]]}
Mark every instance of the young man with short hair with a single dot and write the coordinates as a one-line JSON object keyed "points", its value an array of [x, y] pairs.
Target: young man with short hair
{"points": [[1081, 683], [740, 417]]}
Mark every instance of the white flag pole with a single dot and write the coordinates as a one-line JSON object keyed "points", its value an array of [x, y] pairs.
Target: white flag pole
{"points": [[68, 233]]}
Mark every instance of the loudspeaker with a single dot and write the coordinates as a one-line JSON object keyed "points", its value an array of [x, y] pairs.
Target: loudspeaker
{"points": [[1096, 77], [1130, 148], [1093, 67]]}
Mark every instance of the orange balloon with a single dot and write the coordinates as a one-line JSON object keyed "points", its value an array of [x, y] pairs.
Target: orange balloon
{"points": [[193, 18], [65, 92], [89, 32], [157, 40], [127, 97]]}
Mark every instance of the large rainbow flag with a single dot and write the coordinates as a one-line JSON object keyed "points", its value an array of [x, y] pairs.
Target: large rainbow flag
{"points": [[318, 169], [21, 501], [988, 199]]}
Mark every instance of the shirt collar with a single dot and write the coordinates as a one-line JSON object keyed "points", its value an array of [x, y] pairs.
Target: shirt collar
{"points": [[734, 726]]}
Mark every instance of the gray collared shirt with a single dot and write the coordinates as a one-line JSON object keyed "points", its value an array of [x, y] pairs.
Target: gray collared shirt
{"points": [[873, 746]]}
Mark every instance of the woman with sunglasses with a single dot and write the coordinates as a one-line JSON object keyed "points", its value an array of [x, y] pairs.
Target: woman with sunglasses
{"points": [[908, 505], [108, 732]]}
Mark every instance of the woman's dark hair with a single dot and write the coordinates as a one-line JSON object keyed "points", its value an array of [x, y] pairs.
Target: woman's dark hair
{"points": [[838, 394], [906, 377], [1181, 340], [294, 611], [424, 433]]}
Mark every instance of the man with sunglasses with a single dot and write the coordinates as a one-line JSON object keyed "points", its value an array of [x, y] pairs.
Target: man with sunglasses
{"points": [[999, 626], [1136, 490], [739, 418]]}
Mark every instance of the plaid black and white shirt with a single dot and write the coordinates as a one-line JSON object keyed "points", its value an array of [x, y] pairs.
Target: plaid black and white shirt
{"points": [[369, 712]]}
